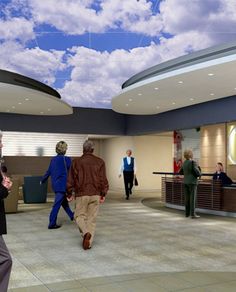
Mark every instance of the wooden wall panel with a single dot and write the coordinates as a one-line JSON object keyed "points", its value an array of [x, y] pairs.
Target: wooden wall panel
{"points": [[212, 147]]}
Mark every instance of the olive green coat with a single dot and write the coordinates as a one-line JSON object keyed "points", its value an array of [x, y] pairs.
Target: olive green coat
{"points": [[191, 171]]}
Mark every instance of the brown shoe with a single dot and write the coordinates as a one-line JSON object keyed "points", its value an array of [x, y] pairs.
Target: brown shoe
{"points": [[86, 241]]}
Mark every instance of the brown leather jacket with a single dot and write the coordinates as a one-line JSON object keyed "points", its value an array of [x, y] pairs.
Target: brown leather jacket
{"points": [[87, 176]]}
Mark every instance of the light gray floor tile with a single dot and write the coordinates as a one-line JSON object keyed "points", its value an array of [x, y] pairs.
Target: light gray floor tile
{"points": [[131, 240], [40, 288], [64, 286]]}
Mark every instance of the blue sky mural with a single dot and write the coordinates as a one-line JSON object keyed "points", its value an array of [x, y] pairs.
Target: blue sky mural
{"points": [[87, 48]]}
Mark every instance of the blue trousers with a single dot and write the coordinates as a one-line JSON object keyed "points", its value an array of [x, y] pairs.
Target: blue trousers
{"points": [[60, 200]]}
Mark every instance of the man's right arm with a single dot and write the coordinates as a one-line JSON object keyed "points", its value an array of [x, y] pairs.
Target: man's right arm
{"points": [[121, 167]]}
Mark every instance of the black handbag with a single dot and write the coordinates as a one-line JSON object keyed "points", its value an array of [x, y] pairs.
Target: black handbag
{"points": [[135, 181]]}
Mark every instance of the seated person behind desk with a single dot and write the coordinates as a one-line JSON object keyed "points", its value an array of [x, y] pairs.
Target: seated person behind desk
{"points": [[221, 175]]}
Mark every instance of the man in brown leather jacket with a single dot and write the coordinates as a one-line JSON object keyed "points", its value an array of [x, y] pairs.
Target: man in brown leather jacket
{"points": [[87, 181]]}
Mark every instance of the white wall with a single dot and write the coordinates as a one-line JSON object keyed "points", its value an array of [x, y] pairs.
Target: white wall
{"points": [[40, 144], [152, 153]]}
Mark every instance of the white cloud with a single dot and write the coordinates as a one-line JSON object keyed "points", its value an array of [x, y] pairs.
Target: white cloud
{"points": [[78, 17], [35, 63], [97, 76], [16, 28], [215, 18]]}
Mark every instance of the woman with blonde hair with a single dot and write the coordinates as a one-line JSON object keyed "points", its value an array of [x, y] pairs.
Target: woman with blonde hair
{"points": [[191, 172], [58, 170]]}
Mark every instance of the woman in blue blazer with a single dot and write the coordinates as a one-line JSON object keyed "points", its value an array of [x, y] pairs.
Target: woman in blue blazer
{"points": [[58, 169]]}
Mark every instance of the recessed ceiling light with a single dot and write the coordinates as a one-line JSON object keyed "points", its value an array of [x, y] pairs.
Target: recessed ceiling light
{"points": [[13, 106], [156, 88], [173, 102], [49, 109], [191, 99], [19, 102], [139, 94], [157, 107], [127, 104], [26, 99], [180, 82], [212, 94], [41, 113], [235, 88], [211, 74], [130, 99]]}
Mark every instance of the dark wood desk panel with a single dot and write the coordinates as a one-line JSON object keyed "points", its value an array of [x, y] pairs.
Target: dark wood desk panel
{"points": [[209, 193], [229, 199]]}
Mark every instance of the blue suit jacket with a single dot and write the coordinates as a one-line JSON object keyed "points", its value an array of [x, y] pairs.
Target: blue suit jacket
{"points": [[58, 172]]}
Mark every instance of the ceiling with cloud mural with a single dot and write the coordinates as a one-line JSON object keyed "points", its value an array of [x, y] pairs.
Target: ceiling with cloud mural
{"points": [[87, 48]]}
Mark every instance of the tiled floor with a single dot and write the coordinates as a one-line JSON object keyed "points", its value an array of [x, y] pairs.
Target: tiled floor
{"points": [[136, 248]]}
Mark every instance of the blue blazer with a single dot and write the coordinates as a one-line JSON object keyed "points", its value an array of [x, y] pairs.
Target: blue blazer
{"points": [[58, 169], [223, 178]]}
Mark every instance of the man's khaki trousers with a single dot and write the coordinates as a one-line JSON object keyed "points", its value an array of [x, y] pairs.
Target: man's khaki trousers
{"points": [[86, 212]]}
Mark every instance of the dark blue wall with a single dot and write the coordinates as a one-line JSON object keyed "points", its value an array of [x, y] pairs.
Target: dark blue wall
{"points": [[107, 122], [83, 121], [213, 112]]}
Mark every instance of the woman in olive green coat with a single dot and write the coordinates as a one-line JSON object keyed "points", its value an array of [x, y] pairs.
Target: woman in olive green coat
{"points": [[191, 172]]}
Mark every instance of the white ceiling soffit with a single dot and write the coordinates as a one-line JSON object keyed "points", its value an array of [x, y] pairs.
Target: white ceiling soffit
{"points": [[179, 88], [22, 100]]}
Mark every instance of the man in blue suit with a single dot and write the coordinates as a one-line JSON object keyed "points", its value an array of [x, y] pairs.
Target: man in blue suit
{"points": [[58, 170]]}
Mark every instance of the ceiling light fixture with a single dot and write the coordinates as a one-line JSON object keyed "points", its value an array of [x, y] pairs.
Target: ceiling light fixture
{"points": [[130, 99], [173, 102], [157, 107], [156, 88], [139, 94], [19, 102], [191, 99], [13, 106], [26, 99], [211, 74], [127, 104], [180, 82], [212, 94], [41, 113]]}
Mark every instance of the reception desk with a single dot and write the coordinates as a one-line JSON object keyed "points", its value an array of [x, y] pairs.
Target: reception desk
{"points": [[212, 198]]}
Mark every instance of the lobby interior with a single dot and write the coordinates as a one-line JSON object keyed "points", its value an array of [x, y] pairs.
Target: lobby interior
{"points": [[140, 245]]}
